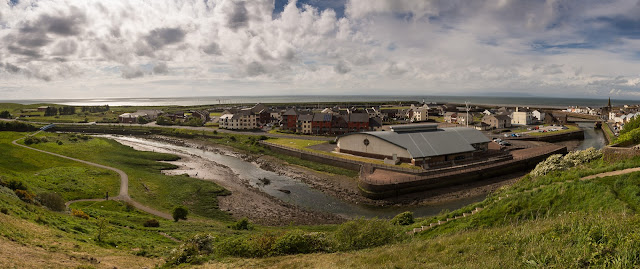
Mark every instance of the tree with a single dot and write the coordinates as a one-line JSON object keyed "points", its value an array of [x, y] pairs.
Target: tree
{"points": [[143, 120], [102, 228], [180, 213], [5, 114], [51, 111]]}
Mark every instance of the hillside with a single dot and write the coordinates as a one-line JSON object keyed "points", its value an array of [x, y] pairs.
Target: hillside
{"points": [[552, 220]]}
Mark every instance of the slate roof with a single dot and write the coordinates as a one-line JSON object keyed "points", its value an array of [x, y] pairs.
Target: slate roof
{"points": [[322, 117], [432, 142], [307, 117], [358, 117]]}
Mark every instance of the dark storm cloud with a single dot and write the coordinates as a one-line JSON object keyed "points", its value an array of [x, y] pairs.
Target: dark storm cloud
{"points": [[212, 49], [33, 40], [161, 37], [12, 68], [161, 68], [239, 17], [70, 25], [24, 52]]}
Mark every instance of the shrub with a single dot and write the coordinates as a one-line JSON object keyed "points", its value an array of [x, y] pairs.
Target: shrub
{"points": [[151, 223], [180, 213], [361, 233], [261, 245], [5, 114], [557, 162], [79, 213], [31, 140], [52, 201], [233, 246], [242, 224], [4, 210], [404, 218], [14, 185], [233, 138], [194, 251], [297, 241], [59, 142], [25, 195]]}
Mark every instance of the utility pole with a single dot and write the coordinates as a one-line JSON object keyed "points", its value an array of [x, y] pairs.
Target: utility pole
{"points": [[466, 104]]}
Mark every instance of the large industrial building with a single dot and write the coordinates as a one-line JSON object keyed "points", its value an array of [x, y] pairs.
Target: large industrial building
{"points": [[418, 144]]}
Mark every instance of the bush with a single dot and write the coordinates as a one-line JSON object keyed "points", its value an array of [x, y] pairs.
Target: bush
{"points": [[297, 241], [25, 195], [233, 246], [4, 210], [52, 201], [194, 251], [151, 223], [79, 213], [180, 213], [557, 162], [5, 114], [361, 233], [242, 224], [31, 140], [14, 184], [404, 218]]}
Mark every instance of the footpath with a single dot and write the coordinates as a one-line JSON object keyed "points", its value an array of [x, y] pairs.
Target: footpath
{"points": [[124, 183]]}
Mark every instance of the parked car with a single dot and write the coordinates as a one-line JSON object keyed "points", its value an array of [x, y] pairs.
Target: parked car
{"points": [[504, 143]]}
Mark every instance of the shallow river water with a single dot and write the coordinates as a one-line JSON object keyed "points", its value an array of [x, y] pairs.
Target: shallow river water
{"points": [[301, 193]]}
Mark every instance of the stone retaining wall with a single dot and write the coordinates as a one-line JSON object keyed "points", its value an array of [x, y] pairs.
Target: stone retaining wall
{"points": [[381, 191], [613, 154]]}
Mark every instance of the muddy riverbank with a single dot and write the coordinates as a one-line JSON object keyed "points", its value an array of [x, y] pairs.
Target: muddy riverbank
{"points": [[245, 200]]}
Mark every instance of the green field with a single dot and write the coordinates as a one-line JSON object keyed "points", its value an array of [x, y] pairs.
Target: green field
{"points": [[554, 220]]}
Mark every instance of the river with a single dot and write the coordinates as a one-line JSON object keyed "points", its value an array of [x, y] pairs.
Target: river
{"points": [[301, 194], [593, 138], [304, 196]]}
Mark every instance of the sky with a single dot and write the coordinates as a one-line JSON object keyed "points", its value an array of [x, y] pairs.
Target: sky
{"points": [[169, 48]]}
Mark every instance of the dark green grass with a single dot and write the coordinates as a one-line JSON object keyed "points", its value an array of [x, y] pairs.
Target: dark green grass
{"points": [[43, 172]]}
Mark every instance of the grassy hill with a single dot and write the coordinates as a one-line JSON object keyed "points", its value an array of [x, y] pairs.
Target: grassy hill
{"points": [[553, 220]]}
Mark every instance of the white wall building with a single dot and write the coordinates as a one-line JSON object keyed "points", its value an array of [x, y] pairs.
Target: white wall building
{"points": [[241, 120], [521, 117]]}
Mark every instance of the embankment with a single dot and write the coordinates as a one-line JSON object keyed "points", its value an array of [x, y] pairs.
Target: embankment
{"points": [[377, 183], [574, 135]]}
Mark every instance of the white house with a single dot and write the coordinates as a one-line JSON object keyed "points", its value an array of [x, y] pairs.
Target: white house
{"points": [[241, 120], [521, 117], [538, 115]]}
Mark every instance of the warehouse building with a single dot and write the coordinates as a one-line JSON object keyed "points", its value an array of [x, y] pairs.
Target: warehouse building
{"points": [[418, 144]]}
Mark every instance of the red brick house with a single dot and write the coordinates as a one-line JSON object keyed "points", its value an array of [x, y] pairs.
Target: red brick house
{"points": [[290, 120]]}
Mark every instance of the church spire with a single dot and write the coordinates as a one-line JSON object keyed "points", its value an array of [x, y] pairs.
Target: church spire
{"points": [[609, 104]]}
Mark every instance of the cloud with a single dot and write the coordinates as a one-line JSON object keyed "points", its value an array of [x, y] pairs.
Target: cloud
{"points": [[129, 72], [160, 69], [320, 47], [161, 37], [342, 67]]}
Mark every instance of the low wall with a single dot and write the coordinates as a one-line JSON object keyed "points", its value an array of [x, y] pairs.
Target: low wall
{"points": [[315, 158], [381, 191], [613, 153], [552, 138]]}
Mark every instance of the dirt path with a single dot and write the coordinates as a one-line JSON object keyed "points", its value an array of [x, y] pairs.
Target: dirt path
{"points": [[245, 200], [612, 173], [124, 182]]}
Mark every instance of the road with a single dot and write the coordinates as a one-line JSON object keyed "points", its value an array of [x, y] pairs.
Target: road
{"points": [[124, 182]]}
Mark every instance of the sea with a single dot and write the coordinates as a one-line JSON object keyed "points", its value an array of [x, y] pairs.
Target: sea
{"points": [[543, 102]]}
